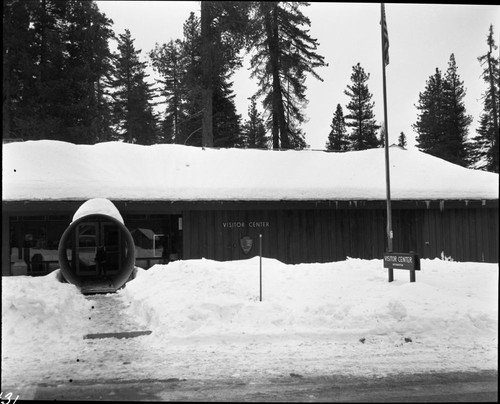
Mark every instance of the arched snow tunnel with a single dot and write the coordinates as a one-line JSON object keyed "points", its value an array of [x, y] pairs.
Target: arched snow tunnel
{"points": [[96, 251]]}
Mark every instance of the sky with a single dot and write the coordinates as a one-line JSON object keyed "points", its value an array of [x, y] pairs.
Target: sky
{"points": [[421, 38], [209, 320]]}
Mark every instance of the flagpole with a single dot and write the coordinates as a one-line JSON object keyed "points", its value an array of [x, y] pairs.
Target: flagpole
{"points": [[385, 61]]}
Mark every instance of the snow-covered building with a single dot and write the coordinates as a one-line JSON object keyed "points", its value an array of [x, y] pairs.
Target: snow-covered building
{"points": [[186, 202]]}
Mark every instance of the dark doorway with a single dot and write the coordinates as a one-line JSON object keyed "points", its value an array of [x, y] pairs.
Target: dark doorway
{"points": [[97, 249]]}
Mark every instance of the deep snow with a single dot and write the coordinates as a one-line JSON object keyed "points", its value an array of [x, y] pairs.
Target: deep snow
{"points": [[98, 206], [54, 170], [207, 321]]}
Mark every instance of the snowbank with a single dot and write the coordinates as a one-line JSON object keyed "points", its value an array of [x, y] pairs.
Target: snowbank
{"points": [[450, 303], [207, 322], [54, 170], [39, 312]]}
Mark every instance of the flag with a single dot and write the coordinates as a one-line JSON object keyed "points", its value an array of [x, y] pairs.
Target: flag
{"points": [[385, 37]]}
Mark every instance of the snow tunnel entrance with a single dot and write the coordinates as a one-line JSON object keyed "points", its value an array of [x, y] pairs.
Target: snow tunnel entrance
{"points": [[96, 252], [99, 248]]}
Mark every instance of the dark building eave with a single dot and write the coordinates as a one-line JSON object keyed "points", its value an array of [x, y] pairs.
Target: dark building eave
{"points": [[166, 206]]}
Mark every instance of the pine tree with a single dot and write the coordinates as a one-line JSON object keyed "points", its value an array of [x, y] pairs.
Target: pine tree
{"points": [[361, 117], [221, 126], [169, 61], [190, 129], [284, 53], [457, 121], [430, 120], [19, 68], [56, 58], [223, 25], [442, 124], [207, 87], [132, 110], [89, 67], [402, 140], [337, 138], [485, 144], [254, 130]]}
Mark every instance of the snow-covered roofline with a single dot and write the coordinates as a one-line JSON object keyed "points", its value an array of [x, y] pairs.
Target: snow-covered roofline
{"points": [[53, 170]]}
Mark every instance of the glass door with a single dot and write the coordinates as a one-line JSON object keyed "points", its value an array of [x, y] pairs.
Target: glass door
{"points": [[86, 248], [109, 244]]}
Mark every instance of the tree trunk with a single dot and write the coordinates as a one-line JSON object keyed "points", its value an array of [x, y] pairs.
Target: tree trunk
{"points": [[279, 131]]}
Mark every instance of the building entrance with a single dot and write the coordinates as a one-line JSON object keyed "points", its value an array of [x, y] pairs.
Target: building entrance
{"points": [[97, 249]]}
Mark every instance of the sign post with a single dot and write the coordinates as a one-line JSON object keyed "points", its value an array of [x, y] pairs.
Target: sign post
{"points": [[406, 261]]}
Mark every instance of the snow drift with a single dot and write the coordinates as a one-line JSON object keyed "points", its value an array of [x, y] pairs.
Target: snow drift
{"points": [[207, 322], [54, 170]]}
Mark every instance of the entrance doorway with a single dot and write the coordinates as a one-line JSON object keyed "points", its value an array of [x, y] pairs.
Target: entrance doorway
{"points": [[97, 249]]}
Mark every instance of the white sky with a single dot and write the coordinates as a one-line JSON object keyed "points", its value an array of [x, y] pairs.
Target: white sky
{"points": [[421, 36]]}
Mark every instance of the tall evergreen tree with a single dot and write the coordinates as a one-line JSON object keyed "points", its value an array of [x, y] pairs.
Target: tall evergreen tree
{"points": [[169, 61], [254, 130], [56, 56], [223, 25], [225, 41], [430, 120], [190, 128], [442, 123], [132, 110], [89, 68], [19, 67], [226, 121], [284, 53], [207, 86], [337, 138], [457, 121], [361, 117], [485, 144]]}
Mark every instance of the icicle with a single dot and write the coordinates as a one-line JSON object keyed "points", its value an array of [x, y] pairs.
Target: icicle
{"points": [[441, 205], [428, 203]]}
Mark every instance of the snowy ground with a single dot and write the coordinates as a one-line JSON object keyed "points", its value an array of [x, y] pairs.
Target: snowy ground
{"points": [[207, 322]]}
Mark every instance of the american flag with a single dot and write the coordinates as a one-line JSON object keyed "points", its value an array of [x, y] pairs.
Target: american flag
{"points": [[385, 37]]}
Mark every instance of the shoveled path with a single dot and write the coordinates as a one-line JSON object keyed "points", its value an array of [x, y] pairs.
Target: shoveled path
{"points": [[107, 317]]}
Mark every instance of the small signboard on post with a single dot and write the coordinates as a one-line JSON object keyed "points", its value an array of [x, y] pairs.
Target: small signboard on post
{"points": [[408, 261]]}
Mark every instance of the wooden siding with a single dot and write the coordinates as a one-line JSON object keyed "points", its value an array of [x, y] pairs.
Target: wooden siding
{"points": [[325, 235], [310, 231]]}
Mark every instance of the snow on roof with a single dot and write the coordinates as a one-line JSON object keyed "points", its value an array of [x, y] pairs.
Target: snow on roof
{"points": [[55, 170], [98, 206]]}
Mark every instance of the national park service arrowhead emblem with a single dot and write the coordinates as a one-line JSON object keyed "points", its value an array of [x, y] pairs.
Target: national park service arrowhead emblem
{"points": [[246, 244]]}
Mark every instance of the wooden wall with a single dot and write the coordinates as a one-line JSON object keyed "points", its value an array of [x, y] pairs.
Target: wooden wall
{"points": [[324, 235], [311, 232]]}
